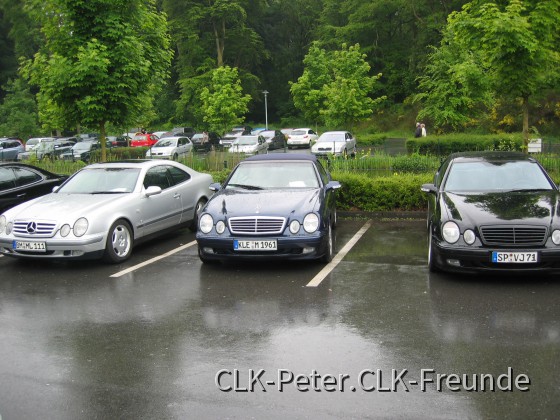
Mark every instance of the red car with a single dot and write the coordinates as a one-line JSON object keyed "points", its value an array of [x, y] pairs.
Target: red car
{"points": [[147, 139]]}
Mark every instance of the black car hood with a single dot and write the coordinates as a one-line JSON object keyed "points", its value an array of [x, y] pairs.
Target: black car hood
{"points": [[238, 202], [477, 209]]}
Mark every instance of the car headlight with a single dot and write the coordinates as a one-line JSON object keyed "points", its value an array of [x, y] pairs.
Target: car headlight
{"points": [[220, 227], [469, 237], [555, 237], [206, 222], [451, 232], [311, 223], [2, 223], [80, 227], [294, 226], [9, 228], [65, 230]]}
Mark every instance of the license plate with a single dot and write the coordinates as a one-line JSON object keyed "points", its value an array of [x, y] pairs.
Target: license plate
{"points": [[515, 257], [239, 245], [29, 246]]}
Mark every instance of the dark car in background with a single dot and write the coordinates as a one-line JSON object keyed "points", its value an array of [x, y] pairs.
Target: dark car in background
{"points": [[20, 182], [204, 142], [276, 206], [184, 131], [81, 151], [118, 141], [10, 147], [493, 212], [274, 138]]}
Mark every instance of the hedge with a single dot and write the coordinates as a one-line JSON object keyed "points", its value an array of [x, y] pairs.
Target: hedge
{"points": [[399, 192], [445, 145]]}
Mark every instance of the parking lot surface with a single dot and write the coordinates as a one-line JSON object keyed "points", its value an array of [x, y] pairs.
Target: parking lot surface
{"points": [[164, 336]]}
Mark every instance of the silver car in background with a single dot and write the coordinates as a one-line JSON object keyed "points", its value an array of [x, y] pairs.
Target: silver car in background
{"points": [[104, 209]]}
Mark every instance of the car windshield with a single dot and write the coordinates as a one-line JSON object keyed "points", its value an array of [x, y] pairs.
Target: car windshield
{"points": [[247, 140], [197, 138], [492, 176], [168, 142], [32, 142], [330, 137], [267, 134], [82, 146], [271, 175], [139, 137], [102, 181], [45, 145]]}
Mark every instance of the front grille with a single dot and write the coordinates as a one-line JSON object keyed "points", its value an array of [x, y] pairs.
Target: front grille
{"points": [[325, 149], [34, 228], [258, 225], [513, 235]]}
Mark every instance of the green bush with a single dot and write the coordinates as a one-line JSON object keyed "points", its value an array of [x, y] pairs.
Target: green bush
{"points": [[445, 145], [390, 193], [120, 153]]}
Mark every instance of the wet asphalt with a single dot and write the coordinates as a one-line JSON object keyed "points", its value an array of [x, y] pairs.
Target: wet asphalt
{"points": [[178, 339]]}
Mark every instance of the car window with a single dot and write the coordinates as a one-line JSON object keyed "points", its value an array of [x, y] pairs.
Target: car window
{"points": [[157, 177], [178, 175], [323, 174], [25, 176], [7, 179]]}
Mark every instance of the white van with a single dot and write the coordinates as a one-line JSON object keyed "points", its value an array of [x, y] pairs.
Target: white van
{"points": [[32, 143]]}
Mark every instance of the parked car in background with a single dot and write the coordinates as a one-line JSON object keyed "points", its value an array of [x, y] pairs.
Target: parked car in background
{"points": [[184, 131], [286, 132], [87, 137], [48, 149], [335, 143], [104, 209], [159, 133], [20, 182], [250, 145], [257, 130], [242, 129], [10, 147], [205, 143], [144, 140], [493, 212], [170, 148], [33, 142], [229, 138], [276, 206], [81, 151], [301, 137], [274, 138], [118, 141]]}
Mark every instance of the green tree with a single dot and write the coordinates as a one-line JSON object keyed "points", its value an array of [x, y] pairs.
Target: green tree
{"points": [[335, 87], [18, 112], [518, 42], [223, 102], [103, 61]]}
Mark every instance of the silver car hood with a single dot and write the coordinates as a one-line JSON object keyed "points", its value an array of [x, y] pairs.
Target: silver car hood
{"points": [[53, 206]]}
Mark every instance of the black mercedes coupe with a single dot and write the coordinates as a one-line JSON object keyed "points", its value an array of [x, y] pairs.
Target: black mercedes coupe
{"points": [[493, 212]]}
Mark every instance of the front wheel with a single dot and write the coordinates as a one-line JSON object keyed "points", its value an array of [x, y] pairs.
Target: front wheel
{"points": [[175, 156], [328, 255], [432, 266], [199, 205], [119, 243]]}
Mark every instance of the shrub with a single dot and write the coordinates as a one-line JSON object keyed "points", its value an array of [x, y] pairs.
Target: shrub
{"points": [[390, 193], [445, 145]]}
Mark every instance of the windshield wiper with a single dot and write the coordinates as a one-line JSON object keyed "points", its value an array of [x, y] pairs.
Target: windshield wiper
{"points": [[529, 190], [107, 192], [246, 187]]}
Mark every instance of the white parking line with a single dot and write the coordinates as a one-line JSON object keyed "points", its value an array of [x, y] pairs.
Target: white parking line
{"points": [[159, 257], [316, 281]]}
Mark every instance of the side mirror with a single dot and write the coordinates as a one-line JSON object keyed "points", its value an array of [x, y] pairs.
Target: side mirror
{"points": [[429, 188], [152, 190], [55, 189], [333, 185], [215, 186]]}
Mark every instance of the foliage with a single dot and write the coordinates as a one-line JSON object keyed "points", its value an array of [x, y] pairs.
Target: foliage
{"points": [[103, 61], [223, 102], [445, 145], [335, 87], [18, 112]]}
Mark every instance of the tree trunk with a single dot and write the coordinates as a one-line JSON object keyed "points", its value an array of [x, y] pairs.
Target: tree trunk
{"points": [[103, 141], [526, 123], [219, 35]]}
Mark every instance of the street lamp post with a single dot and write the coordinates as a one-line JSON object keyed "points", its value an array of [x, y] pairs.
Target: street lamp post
{"points": [[265, 92]]}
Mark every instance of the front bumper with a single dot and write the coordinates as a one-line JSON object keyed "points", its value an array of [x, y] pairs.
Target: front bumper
{"points": [[479, 260], [293, 248], [88, 247]]}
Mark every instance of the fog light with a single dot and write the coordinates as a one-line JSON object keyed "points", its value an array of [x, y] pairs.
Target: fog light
{"points": [[208, 250], [308, 250], [455, 263]]}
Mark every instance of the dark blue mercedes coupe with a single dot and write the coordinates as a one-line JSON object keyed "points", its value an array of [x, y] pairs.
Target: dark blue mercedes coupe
{"points": [[275, 206]]}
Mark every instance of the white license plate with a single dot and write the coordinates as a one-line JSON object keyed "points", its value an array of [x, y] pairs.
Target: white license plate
{"points": [[29, 246], [515, 257], [260, 245]]}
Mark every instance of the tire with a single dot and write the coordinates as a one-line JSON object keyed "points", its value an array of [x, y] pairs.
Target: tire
{"points": [[432, 266], [199, 205], [120, 241], [175, 156], [328, 256], [334, 219]]}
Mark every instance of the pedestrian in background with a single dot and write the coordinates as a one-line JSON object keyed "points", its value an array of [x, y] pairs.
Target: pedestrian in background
{"points": [[418, 132], [423, 129]]}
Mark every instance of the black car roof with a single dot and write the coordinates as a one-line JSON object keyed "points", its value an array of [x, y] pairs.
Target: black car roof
{"points": [[283, 156]]}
